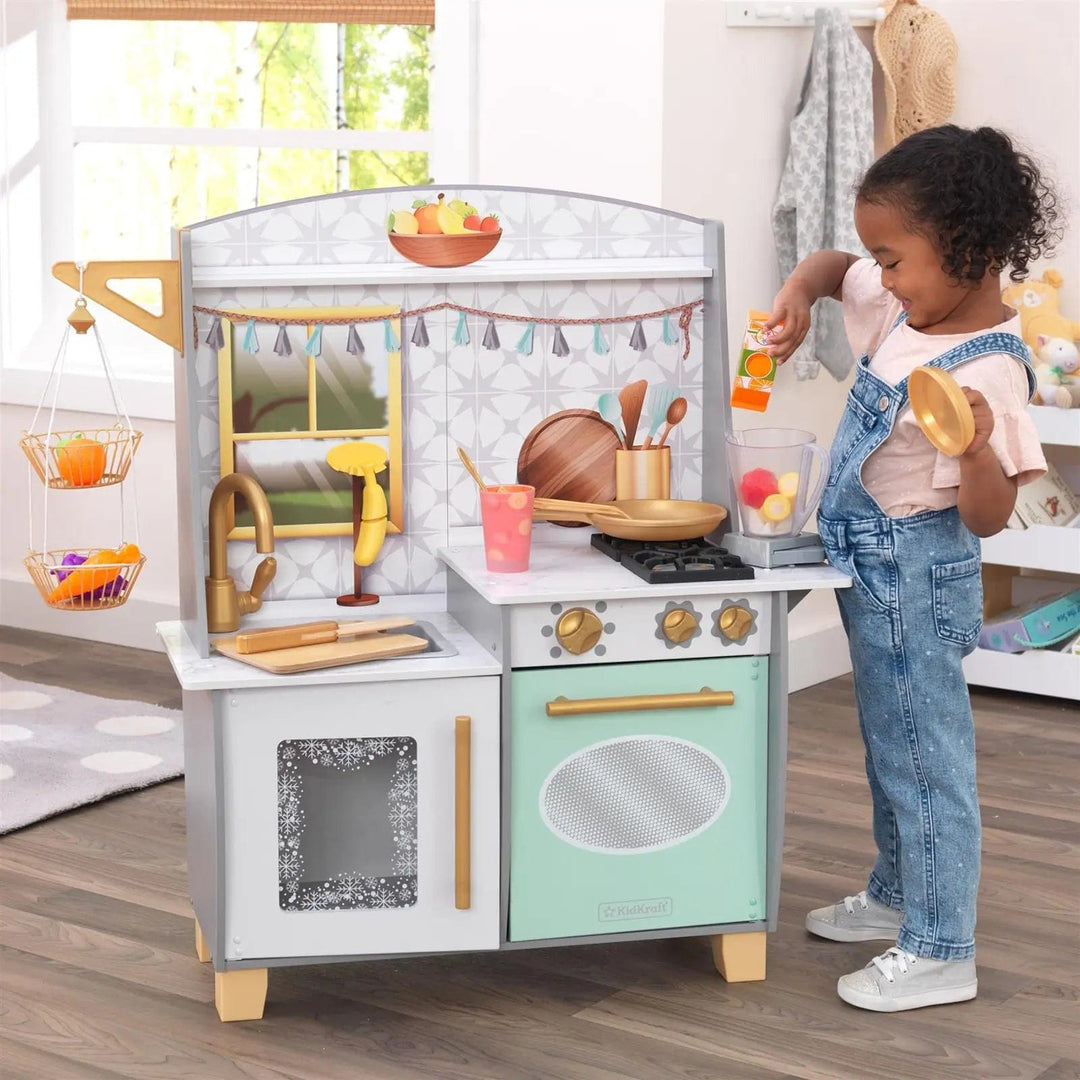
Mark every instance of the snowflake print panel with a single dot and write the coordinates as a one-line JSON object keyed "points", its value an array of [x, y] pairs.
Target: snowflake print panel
{"points": [[347, 811]]}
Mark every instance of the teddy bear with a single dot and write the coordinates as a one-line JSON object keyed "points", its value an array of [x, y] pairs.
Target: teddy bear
{"points": [[1056, 362], [1038, 304]]}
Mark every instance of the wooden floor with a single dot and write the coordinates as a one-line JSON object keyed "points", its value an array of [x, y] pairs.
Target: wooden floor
{"points": [[99, 976]]}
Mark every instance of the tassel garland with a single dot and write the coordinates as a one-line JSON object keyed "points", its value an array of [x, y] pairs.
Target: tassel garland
{"points": [[420, 335], [525, 342], [391, 339], [313, 347], [491, 336], [251, 339], [354, 346], [215, 337], [282, 346], [461, 334], [599, 344]]}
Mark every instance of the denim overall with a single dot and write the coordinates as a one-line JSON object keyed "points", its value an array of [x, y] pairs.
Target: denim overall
{"points": [[913, 612]]}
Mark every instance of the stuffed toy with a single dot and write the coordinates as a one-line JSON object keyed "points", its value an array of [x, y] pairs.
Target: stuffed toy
{"points": [[1038, 304], [1056, 362]]}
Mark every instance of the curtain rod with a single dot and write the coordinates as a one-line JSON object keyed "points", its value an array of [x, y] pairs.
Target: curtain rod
{"points": [[750, 13]]}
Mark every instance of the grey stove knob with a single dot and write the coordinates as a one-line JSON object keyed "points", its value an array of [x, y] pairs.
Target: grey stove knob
{"points": [[679, 624], [734, 622], [578, 630]]}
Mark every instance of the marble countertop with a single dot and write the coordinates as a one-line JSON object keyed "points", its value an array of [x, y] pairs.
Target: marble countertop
{"points": [[564, 566], [218, 672]]}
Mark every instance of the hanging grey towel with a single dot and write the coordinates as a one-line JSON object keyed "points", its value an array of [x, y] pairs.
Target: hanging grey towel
{"points": [[832, 144]]}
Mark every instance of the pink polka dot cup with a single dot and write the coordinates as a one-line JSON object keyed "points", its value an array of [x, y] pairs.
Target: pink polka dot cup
{"points": [[506, 512]]}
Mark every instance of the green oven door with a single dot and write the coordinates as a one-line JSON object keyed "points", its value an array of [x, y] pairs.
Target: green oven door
{"points": [[626, 818]]}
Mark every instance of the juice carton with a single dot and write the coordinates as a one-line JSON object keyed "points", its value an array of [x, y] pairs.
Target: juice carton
{"points": [[757, 369]]}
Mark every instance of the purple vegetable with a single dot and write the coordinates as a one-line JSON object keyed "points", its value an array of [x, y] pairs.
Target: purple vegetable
{"points": [[109, 589]]}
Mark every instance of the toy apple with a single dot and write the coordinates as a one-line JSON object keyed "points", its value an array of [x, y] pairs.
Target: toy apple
{"points": [[756, 486], [79, 460]]}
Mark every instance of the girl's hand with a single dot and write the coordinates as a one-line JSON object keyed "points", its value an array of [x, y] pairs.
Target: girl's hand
{"points": [[791, 308], [984, 420]]}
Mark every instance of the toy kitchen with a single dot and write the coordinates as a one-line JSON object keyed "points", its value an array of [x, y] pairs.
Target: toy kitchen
{"points": [[454, 757]]}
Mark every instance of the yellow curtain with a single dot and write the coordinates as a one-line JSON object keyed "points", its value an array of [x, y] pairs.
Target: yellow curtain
{"points": [[411, 12]]}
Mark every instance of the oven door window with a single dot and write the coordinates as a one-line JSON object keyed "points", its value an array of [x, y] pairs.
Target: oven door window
{"points": [[347, 812]]}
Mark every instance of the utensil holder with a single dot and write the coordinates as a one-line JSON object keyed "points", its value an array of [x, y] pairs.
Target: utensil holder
{"points": [[643, 474]]}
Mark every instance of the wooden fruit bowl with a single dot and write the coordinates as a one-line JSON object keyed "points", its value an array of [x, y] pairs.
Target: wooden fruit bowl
{"points": [[437, 249]]}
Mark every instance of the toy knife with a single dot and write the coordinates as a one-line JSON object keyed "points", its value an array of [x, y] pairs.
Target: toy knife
{"points": [[315, 633]]}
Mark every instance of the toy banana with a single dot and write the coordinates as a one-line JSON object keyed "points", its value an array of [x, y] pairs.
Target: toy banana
{"points": [[373, 520]]}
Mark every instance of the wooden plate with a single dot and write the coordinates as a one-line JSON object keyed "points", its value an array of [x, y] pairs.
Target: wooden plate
{"points": [[570, 455], [941, 409]]}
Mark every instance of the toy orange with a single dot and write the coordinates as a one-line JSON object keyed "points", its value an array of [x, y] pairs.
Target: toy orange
{"points": [[79, 460]]}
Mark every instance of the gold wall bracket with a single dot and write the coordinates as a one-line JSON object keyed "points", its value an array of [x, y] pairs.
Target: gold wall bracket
{"points": [[96, 276]]}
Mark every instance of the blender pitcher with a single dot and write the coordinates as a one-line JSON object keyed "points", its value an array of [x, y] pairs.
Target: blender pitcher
{"points": [[771, 469]]}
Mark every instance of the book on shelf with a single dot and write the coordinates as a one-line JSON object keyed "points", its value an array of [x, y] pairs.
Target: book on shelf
{"points": [[1046, 501]]}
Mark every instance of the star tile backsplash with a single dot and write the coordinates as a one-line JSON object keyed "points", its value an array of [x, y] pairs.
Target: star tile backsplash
{"points": [[486, 400]]}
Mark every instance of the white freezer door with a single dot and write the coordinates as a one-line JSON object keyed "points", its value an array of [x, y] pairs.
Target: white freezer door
{"points": [[341, 811]]}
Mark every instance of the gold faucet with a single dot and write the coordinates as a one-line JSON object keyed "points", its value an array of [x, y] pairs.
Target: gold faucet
{"points": [[223, 606]]}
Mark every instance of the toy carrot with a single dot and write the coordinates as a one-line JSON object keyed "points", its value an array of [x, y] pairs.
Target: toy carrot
{"points": [[82, 580]]}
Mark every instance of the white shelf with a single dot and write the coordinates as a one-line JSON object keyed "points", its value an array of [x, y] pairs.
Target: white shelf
{"points": [[1056, 427], [405, 273], [1039, 671], [1040, 547]]}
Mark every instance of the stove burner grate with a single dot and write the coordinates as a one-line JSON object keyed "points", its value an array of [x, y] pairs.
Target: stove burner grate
{"points": [[662, 561]]}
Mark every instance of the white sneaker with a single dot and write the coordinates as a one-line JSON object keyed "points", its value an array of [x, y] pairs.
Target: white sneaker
{"points": [[855, 918], [896, 981]]}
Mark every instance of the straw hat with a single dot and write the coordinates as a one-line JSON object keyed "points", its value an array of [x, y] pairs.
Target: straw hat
{"points": [[917, 52]]}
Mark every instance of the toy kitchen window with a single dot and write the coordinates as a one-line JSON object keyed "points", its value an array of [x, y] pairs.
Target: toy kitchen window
{"points": [[280, 414]]}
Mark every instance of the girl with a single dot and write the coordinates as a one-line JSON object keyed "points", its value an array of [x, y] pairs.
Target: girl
{"points": [[942, 213]]}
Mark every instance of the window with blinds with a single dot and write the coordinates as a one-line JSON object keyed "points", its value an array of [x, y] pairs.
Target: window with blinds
{"points": [[385, 12]]}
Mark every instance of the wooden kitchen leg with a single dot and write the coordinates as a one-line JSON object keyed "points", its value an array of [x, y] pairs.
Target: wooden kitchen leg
{"points": [[740, 957], [201, 951], [240, 995]]}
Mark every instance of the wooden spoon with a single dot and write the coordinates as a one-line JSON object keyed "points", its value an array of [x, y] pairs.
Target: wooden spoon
{"points": [[471, 469], [676, 411], [631, 398], [570, 506]]}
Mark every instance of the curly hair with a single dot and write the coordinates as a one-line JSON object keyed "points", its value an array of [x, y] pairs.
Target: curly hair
{"points": [[981, 202]]}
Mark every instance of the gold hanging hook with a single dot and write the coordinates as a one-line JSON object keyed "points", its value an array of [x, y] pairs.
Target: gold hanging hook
{"points": [[80, 319]]}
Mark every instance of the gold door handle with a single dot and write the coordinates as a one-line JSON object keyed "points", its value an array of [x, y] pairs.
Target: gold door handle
{"points": [[703, 698], [462, 812]]}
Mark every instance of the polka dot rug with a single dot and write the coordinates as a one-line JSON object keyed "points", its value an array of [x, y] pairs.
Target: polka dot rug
{"points": [[60, 749]]}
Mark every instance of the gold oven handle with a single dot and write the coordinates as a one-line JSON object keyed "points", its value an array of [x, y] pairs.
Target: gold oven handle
{"points": [[462, 812], [700, 699]]}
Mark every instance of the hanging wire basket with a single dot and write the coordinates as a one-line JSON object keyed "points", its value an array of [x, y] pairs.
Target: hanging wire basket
{"points": [[83, 578], [91, 457], [66, 582]]}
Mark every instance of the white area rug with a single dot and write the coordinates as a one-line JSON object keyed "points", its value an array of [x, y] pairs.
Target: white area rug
{"points": [[60, 749]]}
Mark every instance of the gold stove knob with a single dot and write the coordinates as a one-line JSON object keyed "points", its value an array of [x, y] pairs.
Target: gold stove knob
{"points": [[734, 622], [578, 630], [678, 625]]}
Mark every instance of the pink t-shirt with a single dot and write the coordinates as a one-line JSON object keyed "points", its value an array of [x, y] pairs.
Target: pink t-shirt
{"points": [[906, 474]]}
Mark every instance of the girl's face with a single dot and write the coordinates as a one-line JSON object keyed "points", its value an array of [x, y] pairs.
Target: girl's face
{"points": [[910, 265]]}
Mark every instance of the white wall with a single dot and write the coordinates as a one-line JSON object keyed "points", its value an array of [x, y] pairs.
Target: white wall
{"points": [[728, 96]]}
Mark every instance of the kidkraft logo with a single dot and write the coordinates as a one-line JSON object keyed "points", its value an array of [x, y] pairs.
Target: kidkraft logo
{"points": [[619, 910]]}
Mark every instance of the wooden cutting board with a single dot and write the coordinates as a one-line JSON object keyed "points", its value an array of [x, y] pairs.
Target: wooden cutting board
{"points": [[570, 455], [331, 654]]}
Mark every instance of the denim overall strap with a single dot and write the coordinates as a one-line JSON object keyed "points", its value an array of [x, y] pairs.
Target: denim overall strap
{"points": [[912, 613]]}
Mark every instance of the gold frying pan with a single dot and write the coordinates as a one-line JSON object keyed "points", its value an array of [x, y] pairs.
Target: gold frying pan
{"points": [[646, 519], [941, 409]]}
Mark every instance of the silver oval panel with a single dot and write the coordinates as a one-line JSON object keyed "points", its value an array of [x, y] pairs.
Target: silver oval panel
{"points": [[633, 794]]}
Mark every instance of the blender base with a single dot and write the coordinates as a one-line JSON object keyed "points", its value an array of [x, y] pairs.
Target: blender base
{"points": [[773, 551]]}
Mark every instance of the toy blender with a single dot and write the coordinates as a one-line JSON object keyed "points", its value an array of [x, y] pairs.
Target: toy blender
{"points": [[772, 470]]}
